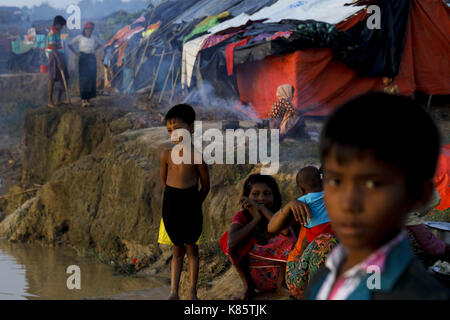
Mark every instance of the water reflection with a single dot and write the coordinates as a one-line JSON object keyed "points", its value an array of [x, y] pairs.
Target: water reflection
{"points": [[36, 272]]}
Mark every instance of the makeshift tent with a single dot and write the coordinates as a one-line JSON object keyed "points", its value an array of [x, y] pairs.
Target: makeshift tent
{"points": [[155, 57], [322, 47], [322, 82]]}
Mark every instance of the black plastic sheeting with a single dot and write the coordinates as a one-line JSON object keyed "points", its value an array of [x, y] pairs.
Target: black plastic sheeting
{"points": [[378, 52], [370, 52], [169, 11], [26, 62], [211, 63], [210, 66]]}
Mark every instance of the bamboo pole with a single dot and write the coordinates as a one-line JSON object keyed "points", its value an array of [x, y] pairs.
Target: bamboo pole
{"points": [[139, 65], [157, 74], [174, 85], [168, 76]]}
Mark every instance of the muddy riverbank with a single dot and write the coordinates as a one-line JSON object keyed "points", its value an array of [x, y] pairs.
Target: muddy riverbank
{"points": [[95, 190]]}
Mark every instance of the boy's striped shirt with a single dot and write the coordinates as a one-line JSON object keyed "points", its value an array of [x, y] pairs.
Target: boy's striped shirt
{"points": [[54, 41]]}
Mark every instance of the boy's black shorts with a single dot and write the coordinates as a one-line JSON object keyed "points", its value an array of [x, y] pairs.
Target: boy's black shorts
{"points": [[182, 214]]}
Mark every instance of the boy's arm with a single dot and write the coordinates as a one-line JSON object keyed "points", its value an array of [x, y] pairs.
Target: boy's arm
{"points": [[295, 211], [280, 220], [300, 211], [204, 179], [163, 159], [283, 229]]}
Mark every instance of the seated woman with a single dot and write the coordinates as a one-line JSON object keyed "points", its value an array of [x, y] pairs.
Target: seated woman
{"points": [[258, 256], [304, 260], [426, 246], [284, 115]]}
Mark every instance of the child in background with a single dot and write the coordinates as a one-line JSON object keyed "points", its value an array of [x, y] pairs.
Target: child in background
{"points": [[315, 231], [56, 61], [182, 204], [258, 256], [310, 188], [379, 154]]}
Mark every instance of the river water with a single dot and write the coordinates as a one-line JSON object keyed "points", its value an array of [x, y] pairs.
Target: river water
{"points": [[36, 272]]}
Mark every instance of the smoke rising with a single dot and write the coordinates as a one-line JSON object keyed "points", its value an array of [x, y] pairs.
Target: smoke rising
{"points": [[205, 96]]}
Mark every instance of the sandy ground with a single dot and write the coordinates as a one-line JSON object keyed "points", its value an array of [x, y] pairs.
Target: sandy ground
{"points": [[160, 293], [226, 287]]}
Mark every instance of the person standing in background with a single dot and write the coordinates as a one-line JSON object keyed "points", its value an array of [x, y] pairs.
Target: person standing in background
{"points": [[87, 63], [56, 61]]}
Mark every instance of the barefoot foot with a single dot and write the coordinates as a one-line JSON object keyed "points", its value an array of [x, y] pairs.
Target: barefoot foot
{"points": [[173, 296], [193, 296]]}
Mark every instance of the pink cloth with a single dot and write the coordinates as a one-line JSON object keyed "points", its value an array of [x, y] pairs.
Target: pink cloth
{"points": [[339, 283], [427, 240], [216, 39]]}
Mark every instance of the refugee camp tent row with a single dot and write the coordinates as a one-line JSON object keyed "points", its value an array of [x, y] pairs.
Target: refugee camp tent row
{"points": [[140, 55], [325, 48]]}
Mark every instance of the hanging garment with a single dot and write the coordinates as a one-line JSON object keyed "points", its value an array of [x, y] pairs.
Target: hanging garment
{"points": [[229, 52], [190, 51], [216, 39]]}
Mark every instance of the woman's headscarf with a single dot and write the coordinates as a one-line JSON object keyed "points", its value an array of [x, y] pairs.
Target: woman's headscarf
{"points": [[285, 91]]}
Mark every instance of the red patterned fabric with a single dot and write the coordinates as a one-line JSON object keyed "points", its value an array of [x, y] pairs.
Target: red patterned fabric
{"points": [[216, 39], [264, 259], [280, 107]]}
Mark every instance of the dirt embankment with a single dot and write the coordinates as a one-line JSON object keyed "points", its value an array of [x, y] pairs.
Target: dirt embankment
{"points": [[96, 175], [95, 186]]}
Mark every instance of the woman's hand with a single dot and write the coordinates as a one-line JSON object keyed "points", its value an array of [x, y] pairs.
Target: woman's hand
{"points": [[251, 206], [300, 211]]}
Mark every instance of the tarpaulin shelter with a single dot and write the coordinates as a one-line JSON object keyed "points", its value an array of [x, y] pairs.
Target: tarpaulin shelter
{"points": [[322, 47], [155, 58], [323, 82]]}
